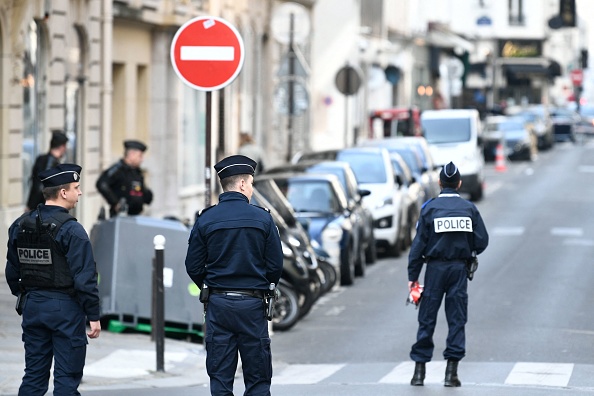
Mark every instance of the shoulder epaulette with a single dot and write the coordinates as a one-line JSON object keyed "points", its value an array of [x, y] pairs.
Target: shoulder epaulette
{"points": [[263, 208], [204, 210]]}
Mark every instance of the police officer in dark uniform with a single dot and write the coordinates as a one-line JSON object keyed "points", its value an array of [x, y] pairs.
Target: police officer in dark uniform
{"points": [[123, 183], [449, 231], [44, 162], [50, 267], [235, 252]]}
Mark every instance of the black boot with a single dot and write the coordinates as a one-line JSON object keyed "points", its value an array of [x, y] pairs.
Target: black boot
{"points": [[451, 374], [419, 375]]}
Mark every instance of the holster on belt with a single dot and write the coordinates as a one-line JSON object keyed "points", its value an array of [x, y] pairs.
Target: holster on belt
{"points": [[20, 302], [471, 266]]}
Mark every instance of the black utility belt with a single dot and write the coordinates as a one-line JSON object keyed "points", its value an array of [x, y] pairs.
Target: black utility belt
{"points": [[445, 260], [249, 293]]}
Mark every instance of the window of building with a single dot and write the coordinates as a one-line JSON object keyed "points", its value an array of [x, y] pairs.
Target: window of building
{"points": [[516, 12], [33, 102], [371, 17], [192, 150]]}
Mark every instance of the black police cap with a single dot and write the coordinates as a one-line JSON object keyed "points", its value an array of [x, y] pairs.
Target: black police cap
{"points": [[61, 174], [135, 145], [449, 174], [235, 165]]}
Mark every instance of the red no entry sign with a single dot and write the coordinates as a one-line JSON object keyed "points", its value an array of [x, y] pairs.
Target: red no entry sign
{"points": [[577, 77], [207, 53]]}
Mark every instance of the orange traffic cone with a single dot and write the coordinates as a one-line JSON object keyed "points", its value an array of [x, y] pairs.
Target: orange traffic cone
{"points": [[500, 159]]}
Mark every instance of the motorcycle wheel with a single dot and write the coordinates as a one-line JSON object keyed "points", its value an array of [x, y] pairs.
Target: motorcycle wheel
{"points": [[286, 308]]}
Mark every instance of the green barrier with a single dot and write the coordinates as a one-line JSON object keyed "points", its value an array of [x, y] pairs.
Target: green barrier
{"points": [[115, 326]]}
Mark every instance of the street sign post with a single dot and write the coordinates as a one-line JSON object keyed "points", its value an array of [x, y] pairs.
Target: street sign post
{"points": [[577, 77], [207, 54]]}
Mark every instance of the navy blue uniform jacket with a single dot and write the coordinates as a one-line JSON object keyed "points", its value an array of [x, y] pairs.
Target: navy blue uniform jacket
{"points": [[450, 228], [234, 245], [74, 241]]}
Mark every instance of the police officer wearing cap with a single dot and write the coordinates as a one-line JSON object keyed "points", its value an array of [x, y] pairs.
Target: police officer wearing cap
{"points": [[123, 185], [51, 269], [449, 231], [44, 162], [235, 252]]}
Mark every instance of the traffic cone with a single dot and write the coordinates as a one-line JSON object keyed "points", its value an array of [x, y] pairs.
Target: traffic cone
{"points": [[500, 159]]}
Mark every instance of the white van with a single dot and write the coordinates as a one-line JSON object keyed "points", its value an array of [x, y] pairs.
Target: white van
{"points": [[455, 135]]}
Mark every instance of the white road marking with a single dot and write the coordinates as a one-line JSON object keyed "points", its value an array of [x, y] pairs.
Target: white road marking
{"points": [[567, 231], [579, 242], [542, 374], [125, 363], [335, 311], [586, 168], [206, 53], [402, 373], [508, 231], [305, 373]]}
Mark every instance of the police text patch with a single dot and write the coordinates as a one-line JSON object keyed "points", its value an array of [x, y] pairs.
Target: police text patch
{"points": [[35, 256], [452, 224]]}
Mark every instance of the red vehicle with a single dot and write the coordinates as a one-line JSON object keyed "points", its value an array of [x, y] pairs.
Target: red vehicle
{"points": [[399, 121]]}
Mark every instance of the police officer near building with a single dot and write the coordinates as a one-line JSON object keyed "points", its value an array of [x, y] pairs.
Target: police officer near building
{"points": [[51, 269], [234, 255], [122, 184], [450, 233], [44, 162]]}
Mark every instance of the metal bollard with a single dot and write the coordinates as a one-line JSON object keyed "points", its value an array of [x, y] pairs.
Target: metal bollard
{"points": [[158, 320]]}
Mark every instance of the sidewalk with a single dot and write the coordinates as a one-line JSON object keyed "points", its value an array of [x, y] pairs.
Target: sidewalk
{"points": [[114, 360]]}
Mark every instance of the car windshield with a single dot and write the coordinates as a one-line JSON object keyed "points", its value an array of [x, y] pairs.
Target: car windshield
{"points": [[587, 111], [309, 195], [367, 166], [446, 130], [507, 126], [332, 171], [409, 156]]}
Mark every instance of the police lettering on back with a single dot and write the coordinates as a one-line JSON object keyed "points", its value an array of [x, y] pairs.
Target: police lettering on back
{"points": [[452, 224], [35, 256]]}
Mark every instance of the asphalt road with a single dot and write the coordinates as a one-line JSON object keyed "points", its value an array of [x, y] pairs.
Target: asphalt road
{"points": [[530, 329]]}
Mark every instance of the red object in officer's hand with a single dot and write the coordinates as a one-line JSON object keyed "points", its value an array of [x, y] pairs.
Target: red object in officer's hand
{"points": [[416, 292]]}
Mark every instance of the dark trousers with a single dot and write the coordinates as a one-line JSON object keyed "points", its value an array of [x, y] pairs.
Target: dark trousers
{"points": [[237, 324], [449, 279], [53, 328]]}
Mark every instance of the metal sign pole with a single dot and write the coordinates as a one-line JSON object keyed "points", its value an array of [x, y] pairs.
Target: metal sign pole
{"points": [[207, 148], [291, 88]]}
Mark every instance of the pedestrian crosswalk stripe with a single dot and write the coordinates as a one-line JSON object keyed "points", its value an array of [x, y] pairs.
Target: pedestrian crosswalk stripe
{"points": [[303, 374], [402, 373], [541, 374]]}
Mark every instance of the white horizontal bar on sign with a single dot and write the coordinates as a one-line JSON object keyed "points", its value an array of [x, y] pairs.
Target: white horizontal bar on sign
{"points": [[207, 53]]}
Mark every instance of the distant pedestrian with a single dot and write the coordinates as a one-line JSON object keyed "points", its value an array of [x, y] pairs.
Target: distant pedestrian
{"points": [[235, 254], [122, 185], [50, 267], [450, 230], [249, 148], [44, 162]]}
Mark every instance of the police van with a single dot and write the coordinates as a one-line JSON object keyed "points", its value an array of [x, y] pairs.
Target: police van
{"points": [[455, 135]]}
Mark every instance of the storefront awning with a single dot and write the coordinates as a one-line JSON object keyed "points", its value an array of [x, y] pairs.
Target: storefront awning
{"points": [[529, 70]]}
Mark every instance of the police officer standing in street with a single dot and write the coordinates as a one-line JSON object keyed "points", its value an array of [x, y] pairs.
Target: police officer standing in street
{"points": [[450, 232], [51, 269], [43, 162], [234, 255], [123, 183]]}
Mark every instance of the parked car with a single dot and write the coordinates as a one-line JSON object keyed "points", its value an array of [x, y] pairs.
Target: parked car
{"points": [[321, 207], [415, 151], [513, 134], [310, 249], [538, 120], [354, 195], [586, 125], [414, 195], [565, 122], [374, 172]]}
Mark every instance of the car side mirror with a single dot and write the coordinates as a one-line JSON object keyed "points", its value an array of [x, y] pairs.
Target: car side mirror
{"points": [[364, 193], [398, 180]]}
